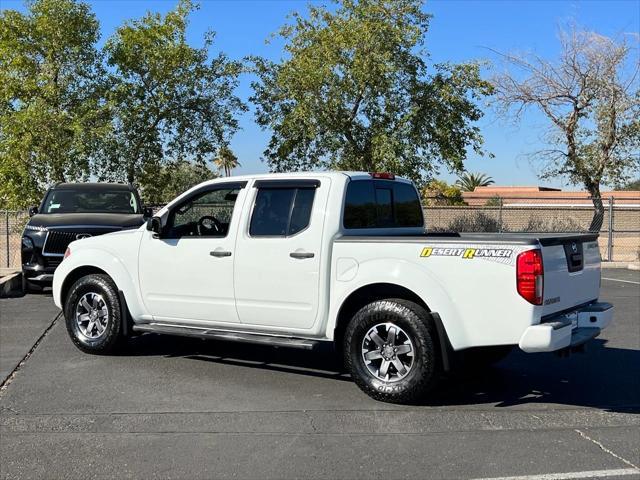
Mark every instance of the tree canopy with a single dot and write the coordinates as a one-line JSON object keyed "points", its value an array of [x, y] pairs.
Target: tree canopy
{"points": [[355, 92], [170, 101], [468, 181], [52, 114], [145, 104], [591, 97]]}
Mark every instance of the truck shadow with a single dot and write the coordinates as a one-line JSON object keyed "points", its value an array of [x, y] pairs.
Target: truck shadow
{"points": [[602, 377]]}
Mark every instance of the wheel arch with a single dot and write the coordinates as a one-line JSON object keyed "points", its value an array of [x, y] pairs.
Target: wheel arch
{"points": [[379, 291], [74, 275]]}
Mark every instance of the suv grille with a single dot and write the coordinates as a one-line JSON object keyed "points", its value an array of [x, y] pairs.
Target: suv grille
{"points": [[57, 242]]}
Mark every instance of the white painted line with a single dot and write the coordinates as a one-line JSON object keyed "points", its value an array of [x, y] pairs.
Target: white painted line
{"points": [[623, 281], [570, 475]]}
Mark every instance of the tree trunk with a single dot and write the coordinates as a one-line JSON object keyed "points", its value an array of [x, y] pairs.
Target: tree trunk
{"points": [[598, 208]]}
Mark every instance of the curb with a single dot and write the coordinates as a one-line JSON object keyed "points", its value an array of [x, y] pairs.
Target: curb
{"points": [[11, 285], [627, 265]]}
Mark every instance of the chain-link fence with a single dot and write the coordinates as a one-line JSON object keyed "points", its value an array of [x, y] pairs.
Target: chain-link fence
{"points": [[618, 221], [619, 226], [11, 225]]}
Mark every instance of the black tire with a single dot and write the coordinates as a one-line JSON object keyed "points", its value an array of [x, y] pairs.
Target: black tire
{"points": [[111, 337], [416, 324], [484, 357]]}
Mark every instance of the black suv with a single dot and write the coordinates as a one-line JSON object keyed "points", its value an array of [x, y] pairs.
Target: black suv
{"points": [[72, 211]]}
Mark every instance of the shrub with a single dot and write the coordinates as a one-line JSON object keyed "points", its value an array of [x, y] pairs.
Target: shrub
{"points": [[439, 193], [474, 222], [552, 225]]}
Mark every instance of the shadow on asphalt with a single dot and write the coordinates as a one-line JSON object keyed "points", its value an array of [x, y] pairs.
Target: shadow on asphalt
{"points": [[602, 377]]}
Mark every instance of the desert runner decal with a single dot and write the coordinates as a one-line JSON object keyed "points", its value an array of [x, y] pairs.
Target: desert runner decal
{"points": [[469, 253]]}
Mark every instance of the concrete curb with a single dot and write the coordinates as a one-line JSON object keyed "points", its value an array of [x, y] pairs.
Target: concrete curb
{"points": [[627, 265], [11, 285]]}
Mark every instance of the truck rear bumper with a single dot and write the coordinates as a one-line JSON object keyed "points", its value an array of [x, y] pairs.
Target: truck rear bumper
{"points": [[567, 330]]}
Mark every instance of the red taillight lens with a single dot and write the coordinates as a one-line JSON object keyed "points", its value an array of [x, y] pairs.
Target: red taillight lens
{"points": [[383, 175], [67, 252], [530, 276]]}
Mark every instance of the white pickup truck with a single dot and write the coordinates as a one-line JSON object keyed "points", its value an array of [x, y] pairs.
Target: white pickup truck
{"points": [[299, 259]]}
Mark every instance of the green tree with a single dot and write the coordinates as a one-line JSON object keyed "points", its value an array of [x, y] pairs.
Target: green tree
{"points": [[168, 181], [51, 113], [355, 93], [226, 161], [440, 193], [468, 181], [170, 101]]}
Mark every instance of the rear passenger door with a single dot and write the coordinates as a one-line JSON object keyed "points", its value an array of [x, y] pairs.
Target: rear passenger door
{"points": [[278, 261]]}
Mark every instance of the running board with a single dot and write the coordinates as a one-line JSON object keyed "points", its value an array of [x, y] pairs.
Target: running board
{"points": [[255, 338]]}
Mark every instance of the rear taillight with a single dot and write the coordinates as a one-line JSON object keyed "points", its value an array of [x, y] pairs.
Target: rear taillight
{"points": [[530, 276], [383, 175]]}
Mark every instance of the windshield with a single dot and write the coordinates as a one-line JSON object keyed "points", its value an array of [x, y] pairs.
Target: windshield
{"points": [[91, 201]]}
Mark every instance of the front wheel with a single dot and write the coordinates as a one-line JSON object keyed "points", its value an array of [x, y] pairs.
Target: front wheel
{"points": [[390, 350], [92, 314]]}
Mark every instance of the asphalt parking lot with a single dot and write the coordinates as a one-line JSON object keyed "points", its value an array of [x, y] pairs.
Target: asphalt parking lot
{"points": [[182, 408]]}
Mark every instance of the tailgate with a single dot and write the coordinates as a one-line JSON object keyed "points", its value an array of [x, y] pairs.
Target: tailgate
{"points": [[571, 271]]}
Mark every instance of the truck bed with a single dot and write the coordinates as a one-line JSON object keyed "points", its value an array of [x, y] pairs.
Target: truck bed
{"points": [[544, 239]]}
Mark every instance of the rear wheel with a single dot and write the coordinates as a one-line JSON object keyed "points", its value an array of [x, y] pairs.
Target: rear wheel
{"points": [[92, 314], [389, 349]]}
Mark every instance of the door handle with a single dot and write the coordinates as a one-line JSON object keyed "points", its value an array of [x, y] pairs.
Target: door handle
{"points": [[220, 253], [301, 254]]}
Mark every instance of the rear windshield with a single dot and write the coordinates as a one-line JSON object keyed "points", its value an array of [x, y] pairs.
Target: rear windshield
{"points": [[91, 201], [381, 204]]}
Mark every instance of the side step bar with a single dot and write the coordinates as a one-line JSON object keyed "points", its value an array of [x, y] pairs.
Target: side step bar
{"points": [[255, 338]]}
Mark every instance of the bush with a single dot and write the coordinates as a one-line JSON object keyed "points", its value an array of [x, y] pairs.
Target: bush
{"points": [[553, 225], [494, 201], [439, 193], [475, 222]]}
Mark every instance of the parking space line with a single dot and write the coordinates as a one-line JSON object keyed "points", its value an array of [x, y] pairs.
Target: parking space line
{"points": [[570, 475], [7, 381], [606, 450], [623, 281]]}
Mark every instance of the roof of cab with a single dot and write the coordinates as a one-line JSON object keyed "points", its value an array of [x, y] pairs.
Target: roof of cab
{"points": [[93, 186], [312, 174]]}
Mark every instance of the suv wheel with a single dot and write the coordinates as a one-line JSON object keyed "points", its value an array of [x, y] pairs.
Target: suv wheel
{"points": [[92, 314], [389, 348]]}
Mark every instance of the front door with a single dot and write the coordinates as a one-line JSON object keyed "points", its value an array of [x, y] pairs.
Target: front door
{"points": [[186, 273], [277, 273]]}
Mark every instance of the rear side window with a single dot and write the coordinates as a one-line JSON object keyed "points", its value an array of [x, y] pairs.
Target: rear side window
{"points": [[381, 204], [281, 212]]}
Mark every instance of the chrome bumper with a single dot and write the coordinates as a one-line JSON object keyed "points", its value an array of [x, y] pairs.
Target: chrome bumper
{"points": [[570, 329]]}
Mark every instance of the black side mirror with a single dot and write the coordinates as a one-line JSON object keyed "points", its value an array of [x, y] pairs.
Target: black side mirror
{"points": [[147, 212], [154, 224], [33, 211]]}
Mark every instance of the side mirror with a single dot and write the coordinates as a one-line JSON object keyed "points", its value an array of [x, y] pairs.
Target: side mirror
{"points": [[147, 212], [33, 211], [154, 224]]}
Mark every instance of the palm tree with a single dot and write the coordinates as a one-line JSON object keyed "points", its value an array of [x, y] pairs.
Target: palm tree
{"points": [[226, 161], [467, 182]]}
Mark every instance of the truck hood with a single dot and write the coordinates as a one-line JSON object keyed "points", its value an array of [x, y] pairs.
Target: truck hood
{"points": [[117, 220]]}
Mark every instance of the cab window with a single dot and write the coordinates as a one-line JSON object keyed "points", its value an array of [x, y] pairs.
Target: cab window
{"points": [[281, 212], [207, 214], [381, 204]]}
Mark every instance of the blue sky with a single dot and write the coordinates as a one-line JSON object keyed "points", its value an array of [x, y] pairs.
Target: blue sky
{"points": [[461, 30]]}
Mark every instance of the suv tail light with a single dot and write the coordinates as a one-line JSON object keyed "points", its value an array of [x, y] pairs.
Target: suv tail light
{"points": [[530, 276]]}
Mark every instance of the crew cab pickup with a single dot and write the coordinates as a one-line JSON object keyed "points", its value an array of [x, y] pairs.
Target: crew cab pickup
{"points": [[304, 258]]}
